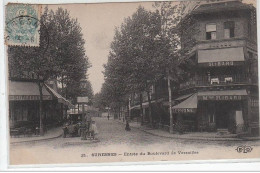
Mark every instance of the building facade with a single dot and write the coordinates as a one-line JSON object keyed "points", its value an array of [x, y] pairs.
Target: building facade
{"points": [[24, 97], [221, 91]]}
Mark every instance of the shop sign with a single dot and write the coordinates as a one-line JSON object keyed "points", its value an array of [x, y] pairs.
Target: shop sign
{"points": [[184, 110], [82, 100], [221, 63], [222, 97], [28, 97]]}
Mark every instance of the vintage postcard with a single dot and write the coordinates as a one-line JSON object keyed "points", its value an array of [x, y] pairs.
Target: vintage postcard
{"points": [[133, 82]]}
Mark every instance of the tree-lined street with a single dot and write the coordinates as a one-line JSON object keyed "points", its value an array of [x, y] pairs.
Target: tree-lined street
{"points": [[117, 140], [162, 94], [117, 135]]}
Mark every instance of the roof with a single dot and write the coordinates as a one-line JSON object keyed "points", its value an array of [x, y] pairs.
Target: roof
{"points": [[221, 6], [220, 55], [205, 7]]}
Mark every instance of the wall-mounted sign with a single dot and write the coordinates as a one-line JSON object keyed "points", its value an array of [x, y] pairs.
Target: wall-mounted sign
{"points": [[221, 63], [82, 100], [28, 97], [184, 110], [222, 97]]}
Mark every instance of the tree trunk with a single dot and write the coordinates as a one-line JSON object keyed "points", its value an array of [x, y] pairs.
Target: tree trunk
{"points": [[150, 108], [170, 104], [128, 111], [141, 109], [156, 104], [41, 107]]}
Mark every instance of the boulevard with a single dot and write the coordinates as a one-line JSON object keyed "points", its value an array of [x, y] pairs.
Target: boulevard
{"points": [[113, 138]]}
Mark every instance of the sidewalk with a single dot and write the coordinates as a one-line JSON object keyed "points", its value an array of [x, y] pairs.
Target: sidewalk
{"points": [[208, 136], [51, 134]]}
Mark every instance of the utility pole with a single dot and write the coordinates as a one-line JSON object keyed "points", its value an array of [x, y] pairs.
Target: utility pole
{"points": [[170, 101]]}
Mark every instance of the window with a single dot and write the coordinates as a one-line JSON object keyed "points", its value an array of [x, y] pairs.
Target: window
{"points": [[229, 29], [211, 33], [211, 118]]}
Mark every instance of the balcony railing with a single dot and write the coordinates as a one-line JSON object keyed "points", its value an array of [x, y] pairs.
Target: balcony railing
{"points": [[219, 80]]}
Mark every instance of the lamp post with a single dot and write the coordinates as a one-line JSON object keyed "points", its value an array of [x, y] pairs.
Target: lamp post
{"points": [[170, 100]]}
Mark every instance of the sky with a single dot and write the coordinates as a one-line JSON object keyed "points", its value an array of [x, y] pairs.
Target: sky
{"points": [[98, 22]]}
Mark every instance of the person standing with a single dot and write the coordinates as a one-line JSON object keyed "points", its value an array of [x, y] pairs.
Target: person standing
{"points": [[127, 127], [88, 120]]}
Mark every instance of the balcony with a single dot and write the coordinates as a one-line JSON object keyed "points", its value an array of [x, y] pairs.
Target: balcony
{"points": [[220, 80]]}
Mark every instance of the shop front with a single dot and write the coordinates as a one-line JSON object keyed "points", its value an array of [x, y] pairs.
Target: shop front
{"points": [[214, 111], [185, 113], [224, 110], [24, 98]]}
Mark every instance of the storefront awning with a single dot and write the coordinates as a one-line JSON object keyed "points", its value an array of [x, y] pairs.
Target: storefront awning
{"points": [[223, 95], [183, 97], [221, 57], [59, 97], [187, 106], [19, 90], [145, 104]]}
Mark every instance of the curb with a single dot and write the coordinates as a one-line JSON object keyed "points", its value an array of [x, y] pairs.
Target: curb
{"points": [[198, 138], [37, 139]]}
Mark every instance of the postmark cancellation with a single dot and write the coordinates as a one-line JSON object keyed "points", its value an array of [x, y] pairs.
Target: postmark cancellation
{"points": [[22, 25]]}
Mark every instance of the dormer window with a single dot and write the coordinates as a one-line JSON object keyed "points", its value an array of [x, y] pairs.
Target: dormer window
{"points": [[211, 31], [229, 29]]}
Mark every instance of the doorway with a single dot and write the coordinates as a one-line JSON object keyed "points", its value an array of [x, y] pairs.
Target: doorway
{"points": [[222, 112]]}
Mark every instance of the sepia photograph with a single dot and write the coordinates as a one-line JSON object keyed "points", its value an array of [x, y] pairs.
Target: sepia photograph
{"points": [[131, 82]]}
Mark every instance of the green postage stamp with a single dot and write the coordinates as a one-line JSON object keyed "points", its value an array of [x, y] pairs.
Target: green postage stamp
{"points": [[22, 25]]}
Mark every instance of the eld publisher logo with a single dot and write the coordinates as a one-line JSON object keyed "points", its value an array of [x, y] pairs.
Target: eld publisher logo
{"points": [[244, 149]]}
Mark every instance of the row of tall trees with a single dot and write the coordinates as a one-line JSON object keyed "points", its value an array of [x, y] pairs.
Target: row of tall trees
{"points": [[61, 55], [142, 52], [146, 49]]}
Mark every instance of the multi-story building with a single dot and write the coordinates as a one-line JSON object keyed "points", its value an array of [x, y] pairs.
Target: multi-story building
{"points": [[221, 90]]}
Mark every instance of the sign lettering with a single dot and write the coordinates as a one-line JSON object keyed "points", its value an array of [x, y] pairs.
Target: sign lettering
{"points": [[184, 110], [82, 100], [221, 63], [222, 97], [28, 97]]}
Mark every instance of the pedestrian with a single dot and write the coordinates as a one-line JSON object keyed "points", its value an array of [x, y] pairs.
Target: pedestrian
{"points": [[94, 129], [88, 120], [107, 117], [127, 127]]}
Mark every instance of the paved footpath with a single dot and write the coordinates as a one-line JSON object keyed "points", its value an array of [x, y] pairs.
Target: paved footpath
{"points": [[209, 136], [51, 134]]}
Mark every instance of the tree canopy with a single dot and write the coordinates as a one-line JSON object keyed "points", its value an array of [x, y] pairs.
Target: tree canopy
{"points": [[61, 54]]}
